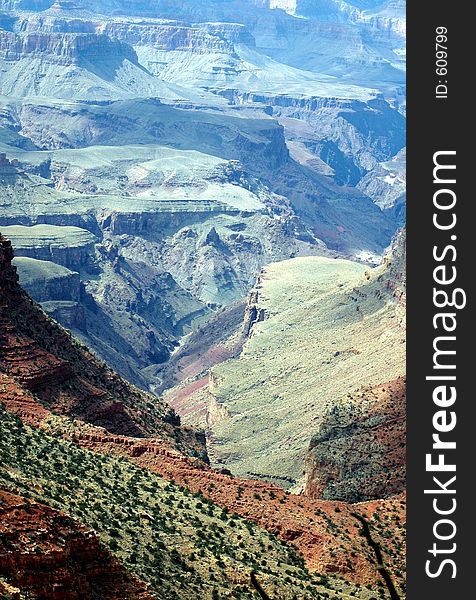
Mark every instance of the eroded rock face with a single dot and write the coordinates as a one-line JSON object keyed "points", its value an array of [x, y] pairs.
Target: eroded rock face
{"points": [[47, 281], [345, 134], [23, 359], [254, 313], [63, 48], [20, 356], [71, 247], [46, 555], [8, 272], [359, 451], [43, 358]]}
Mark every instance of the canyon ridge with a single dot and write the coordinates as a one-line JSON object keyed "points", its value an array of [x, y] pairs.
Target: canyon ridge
{"points": [[202, 299]]}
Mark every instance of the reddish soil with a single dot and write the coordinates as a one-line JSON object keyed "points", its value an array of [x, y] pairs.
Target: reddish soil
{"points": [[43, 552], [182, 401]]}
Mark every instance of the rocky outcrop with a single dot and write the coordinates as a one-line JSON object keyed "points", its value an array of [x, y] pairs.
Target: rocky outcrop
{"points": [[359, 450], [71, 315], [47, 281], [395, 278], [20, 356], [201, 39], [21, 402], [386, 185], [170, 35], [23, 359], [216, 411], [58, 289], [143, 223], [8, 168], [42, 357], [253, 312], [8, 273], [169, 38], [63, 48], [46, 555], [71, 247]]}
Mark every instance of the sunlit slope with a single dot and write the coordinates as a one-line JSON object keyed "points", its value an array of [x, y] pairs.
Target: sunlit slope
{"points": [[330, 326]]}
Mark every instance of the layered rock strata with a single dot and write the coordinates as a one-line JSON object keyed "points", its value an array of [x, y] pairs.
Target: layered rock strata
{"points": [[45, 555], [44, 358]]}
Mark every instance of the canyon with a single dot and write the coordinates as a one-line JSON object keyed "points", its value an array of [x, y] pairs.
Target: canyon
{"points": [[68, 404], [322, 358], [202, 290], [191, 147]]}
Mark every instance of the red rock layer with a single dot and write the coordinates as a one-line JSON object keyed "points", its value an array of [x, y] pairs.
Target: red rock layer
{"points": [[21, 402], [315, 527], [46, 554], [185, 404], [43, 358], [324, 532], [22, 358]]}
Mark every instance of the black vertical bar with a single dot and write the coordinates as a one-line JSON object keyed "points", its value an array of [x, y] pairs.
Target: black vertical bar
{"points": [[440, 123]]}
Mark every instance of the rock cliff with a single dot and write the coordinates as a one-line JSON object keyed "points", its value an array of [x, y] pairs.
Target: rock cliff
{"points": [[359, 451], [44, 358], [48, 281], [64, 48], [70, 247], [45, 554]]}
